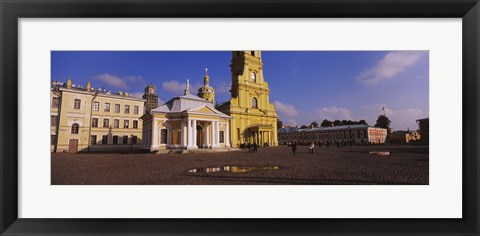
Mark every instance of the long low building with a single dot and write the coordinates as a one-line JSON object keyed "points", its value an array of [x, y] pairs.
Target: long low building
{"points": [[358, 134]]}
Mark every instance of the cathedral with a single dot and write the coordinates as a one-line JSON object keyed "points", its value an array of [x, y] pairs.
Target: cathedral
{"points": [[254, 119], [192, 122]]}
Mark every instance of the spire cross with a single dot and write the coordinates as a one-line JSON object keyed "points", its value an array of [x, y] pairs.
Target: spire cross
{"points": [[206, 71]]}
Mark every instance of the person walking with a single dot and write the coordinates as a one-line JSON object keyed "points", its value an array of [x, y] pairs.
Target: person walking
{"points": [[255, 147], [310, 148], [294, 148]]}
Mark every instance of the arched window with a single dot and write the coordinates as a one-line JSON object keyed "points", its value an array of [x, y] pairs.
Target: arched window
{"points": [[254, 103], [252, 53], [254, 77], [75, 128]]}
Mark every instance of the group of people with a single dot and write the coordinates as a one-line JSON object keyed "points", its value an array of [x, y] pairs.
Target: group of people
{"points": [[310, 148], [252, 147]]}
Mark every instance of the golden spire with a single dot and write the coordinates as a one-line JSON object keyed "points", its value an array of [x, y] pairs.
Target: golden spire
{"points": [[206, 78]]}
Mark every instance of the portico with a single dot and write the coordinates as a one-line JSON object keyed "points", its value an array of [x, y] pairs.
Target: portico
{"points": [[186, 122]]}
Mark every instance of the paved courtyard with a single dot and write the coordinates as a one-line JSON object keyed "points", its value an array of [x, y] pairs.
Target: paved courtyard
{"points": [[339, 166]]}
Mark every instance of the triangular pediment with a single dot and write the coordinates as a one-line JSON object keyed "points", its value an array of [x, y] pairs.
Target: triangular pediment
{"points": [[207, 110]]}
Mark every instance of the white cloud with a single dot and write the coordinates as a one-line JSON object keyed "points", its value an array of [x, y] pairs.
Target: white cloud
{"points": [[174, 86], [335, 113], [120, 82], [401, 119], [134, 79], [112, 80], [389, 66], [285, 109], [291, 123]]}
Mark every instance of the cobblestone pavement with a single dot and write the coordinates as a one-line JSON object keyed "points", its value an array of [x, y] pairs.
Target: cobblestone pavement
{"points": [[338, 166]]}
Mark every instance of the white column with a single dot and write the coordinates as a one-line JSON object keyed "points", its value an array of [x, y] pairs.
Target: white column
{"points": [[211, 134], [227, 135], [182, 134], [217, 134], [194, 138], [155, 134], [205, 132], [189, 133]]}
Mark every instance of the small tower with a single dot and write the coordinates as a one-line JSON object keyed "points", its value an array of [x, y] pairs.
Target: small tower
{"points": [[152, 98], [206, 92]]}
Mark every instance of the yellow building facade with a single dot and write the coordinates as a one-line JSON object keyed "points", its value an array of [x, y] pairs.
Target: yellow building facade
{"points": [[254, 119], [185, 122], [88, 119]]}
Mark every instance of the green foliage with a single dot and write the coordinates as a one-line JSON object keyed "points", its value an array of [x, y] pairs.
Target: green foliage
{"points": [[326, 123], [337, 122], [383, 122]]}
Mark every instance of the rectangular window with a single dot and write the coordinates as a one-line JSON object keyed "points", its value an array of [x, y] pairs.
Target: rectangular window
{"points": [[96, 106], [135, 124], [134, 139], [53, 120], [76, 104], [163, 136], [53, 139], [135, 110], [125, 139], [94, 122], [127, 109], [106, 107], [117, 108], [93, 139], [116, 123], [106, 123], [125, 124], [105, 139], [115, 139], [222, 140], [55, 102]]}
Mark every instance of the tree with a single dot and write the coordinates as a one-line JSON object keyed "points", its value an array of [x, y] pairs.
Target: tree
{"points": [[362, 122], [279, 124], [337, 122], [303, 127], [344, 122], [314, 124], [383, 122], [326, 123]]}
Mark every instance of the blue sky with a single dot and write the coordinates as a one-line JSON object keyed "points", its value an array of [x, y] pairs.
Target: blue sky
{"points": [[305, 86]]}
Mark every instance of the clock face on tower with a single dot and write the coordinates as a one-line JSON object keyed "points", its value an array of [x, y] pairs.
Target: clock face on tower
{"points": [[151, 90]]}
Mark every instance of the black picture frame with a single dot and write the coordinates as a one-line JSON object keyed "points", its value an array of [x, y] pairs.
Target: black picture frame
{"points": [[11, 11]]}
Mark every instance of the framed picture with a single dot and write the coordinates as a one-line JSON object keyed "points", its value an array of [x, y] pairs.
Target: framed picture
{"points": [[344, 177]]}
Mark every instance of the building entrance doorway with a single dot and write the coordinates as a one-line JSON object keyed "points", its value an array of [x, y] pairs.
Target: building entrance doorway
{"points": [[73, 145], [200, 137]]}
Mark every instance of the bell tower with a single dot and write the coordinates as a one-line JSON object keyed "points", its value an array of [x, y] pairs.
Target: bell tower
{"points": [[206, 92], [151, 97], [254, 119]]}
